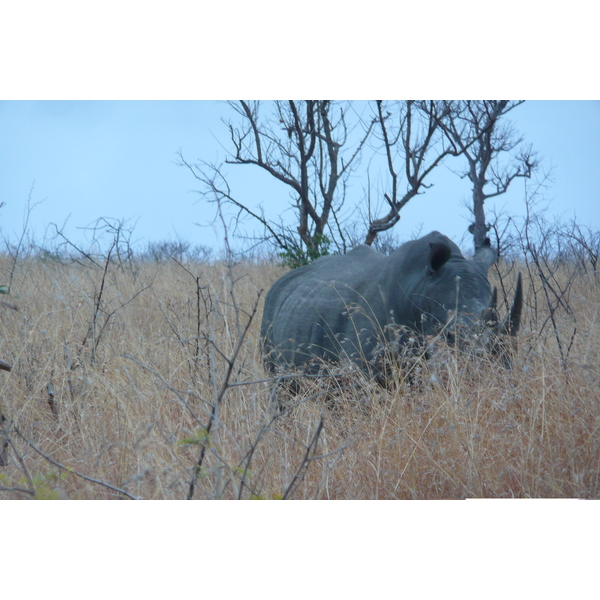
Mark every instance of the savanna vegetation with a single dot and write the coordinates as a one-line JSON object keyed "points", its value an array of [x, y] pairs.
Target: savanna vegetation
{"points": [[131, 374], [134, 377]]}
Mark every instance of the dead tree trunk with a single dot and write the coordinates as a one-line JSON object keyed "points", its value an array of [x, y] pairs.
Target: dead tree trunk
{"points": [[479, 130]]}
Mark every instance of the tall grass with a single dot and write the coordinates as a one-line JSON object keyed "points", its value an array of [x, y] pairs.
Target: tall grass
{"points": [[126, 383]]}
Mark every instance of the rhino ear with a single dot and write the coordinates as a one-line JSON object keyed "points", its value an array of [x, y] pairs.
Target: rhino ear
{"points": [[438, 256], [485, 255]]}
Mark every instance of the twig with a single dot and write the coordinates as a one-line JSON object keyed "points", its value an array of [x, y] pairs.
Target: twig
{"points": [[18, 489], [177, 392], [71, 470], [299, 475], [221, 393]]}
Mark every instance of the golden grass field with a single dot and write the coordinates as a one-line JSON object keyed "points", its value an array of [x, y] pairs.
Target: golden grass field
{"points": [[116, 369]]}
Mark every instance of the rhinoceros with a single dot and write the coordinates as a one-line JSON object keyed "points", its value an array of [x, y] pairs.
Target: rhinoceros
{"points": [[362, 305]]}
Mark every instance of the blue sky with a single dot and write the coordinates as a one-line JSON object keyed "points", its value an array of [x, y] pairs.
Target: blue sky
{"points": [[117, 159]]}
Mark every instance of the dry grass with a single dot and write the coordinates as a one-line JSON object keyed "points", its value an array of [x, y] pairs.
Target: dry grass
{"points": [[132, 402]]}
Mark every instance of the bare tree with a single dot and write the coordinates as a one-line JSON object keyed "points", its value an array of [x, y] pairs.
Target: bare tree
{"points": [[410, 129], [314, 146], [478, 128], [306, 146]]}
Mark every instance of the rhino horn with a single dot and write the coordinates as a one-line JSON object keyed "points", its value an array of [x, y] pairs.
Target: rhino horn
{"points": [[512, 321], [494, 298]]}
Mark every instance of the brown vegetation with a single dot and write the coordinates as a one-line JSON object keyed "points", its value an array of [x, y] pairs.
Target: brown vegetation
{"points": [[145, 380]]}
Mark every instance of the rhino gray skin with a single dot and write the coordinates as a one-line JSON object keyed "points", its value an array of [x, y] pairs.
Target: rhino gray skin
{"points": [[354, 306]]}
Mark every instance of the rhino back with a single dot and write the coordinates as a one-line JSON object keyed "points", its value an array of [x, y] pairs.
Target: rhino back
{"points": [[332, 308], [344, 306]]}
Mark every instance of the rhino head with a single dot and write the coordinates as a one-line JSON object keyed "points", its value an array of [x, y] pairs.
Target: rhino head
{"points": [[469, 316]]}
